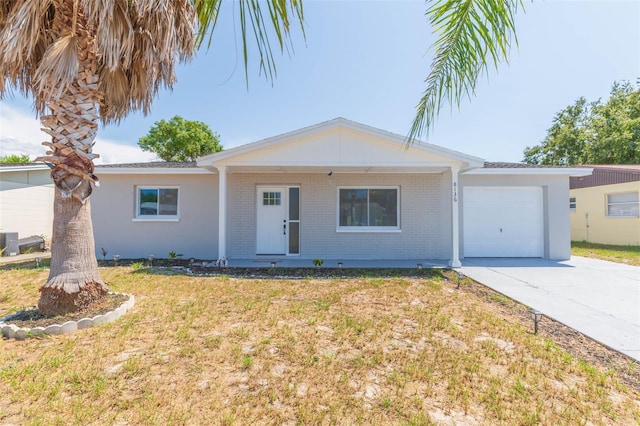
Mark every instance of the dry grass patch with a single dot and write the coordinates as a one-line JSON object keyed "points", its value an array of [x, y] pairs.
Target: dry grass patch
{"points": [[344, 351]]}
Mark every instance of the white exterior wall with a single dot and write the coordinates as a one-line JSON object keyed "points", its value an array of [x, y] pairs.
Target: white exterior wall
{"points": [[557, 230], [26, 203], [424, 216], [194, 235]]}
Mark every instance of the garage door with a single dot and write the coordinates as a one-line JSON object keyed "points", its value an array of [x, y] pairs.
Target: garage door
{"points": [[503, 222]]}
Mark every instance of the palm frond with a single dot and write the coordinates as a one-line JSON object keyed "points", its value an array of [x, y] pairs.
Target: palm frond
{"points": [[129, 47], [114, 35], [24, 36], [275, 21], [59, 66], [114, 84], [470, 34]]}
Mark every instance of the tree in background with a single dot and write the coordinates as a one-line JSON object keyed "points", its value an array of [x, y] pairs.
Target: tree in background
{"points": [[15, 159], [566, 138], [85, 62], [616, 127], [180, 140], [593, 133]]}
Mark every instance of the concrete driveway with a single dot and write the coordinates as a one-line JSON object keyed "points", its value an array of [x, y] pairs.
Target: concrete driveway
{"points": [[598, 298]]}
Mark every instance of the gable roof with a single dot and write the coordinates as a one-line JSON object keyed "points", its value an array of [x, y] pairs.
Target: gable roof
{"points": [[331, 152]]}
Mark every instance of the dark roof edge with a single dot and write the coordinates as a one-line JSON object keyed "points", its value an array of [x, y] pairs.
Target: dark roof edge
{"points": [[151, 165], [506, 165]]}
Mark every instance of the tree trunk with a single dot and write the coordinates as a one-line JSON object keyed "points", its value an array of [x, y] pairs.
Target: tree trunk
{"points": [[74, 281]]}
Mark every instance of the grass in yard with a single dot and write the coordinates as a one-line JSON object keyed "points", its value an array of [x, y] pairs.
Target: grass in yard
{"points": [[620, 254], [233, 351]]}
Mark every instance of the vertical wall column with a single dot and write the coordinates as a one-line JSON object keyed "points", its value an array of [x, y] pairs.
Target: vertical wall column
{"points": [[455, 218], [222, 212]]}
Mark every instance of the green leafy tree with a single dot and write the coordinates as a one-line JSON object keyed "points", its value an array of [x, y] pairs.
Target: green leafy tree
{"points": [[593, 133], [180, 140], [84, 62], [15, 159], [615, 125], [566, 138]]}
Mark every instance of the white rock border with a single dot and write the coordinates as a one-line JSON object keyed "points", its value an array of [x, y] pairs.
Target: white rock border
{"points": [[12, 331]]}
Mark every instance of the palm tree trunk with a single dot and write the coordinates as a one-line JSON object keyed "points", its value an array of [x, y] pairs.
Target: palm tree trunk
{"points": [[74, 281]]}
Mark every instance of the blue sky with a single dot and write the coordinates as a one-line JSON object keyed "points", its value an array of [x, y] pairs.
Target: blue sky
{"points": [[366, 61]]}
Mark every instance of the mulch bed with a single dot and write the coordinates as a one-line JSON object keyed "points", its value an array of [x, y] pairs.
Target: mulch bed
{"points": [[31, 318]]}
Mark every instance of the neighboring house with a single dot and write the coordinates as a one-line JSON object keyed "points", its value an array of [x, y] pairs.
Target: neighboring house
{"points": [[337, 190], [26, 199], [604, 205]]}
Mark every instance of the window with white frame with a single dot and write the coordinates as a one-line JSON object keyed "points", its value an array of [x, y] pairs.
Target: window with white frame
{"points": [[572, 204], [157, 202], [362, 209], [624, 204]]}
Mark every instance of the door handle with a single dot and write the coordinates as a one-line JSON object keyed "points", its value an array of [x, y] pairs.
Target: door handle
{"points": [[284, 229], [501, 230]]}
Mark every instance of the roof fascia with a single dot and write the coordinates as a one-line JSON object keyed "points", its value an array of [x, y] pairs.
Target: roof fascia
{"points": [[24, 167]]}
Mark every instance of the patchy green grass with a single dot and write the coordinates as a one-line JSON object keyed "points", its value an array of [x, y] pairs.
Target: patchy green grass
{"points": [[620, 254], [196, 350]]}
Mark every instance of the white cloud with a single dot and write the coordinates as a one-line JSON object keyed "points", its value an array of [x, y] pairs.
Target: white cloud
{"points": [[113, 152], [20, 134]]}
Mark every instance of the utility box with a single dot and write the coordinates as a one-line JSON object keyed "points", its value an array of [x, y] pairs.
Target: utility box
{"points": [[31, 244], [9, 243]]}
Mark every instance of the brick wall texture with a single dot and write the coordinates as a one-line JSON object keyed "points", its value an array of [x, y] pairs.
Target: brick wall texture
{"points": [[425, 211]]}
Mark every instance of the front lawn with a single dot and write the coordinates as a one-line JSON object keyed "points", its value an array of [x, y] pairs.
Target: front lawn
{"points": [[620, 254], [220, 350]]}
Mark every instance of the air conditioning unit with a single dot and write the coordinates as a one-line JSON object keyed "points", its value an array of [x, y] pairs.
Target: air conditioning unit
{"points": [[9, 243]]}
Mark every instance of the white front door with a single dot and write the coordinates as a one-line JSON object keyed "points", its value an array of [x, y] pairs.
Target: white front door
{"points": [[503, 222], [272, 220]]}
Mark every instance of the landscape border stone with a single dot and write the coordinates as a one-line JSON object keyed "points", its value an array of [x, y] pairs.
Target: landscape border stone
{"points": [[12, 331]]}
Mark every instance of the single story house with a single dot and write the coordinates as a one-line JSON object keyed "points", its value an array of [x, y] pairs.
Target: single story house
{"points": [[338, 190], [26, 200], [604, 205]]}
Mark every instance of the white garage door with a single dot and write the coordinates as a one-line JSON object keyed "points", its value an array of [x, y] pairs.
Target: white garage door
{"points": [[503, 222]]}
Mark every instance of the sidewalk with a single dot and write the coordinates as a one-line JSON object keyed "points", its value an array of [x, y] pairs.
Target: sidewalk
{"points": [[6, 260]]}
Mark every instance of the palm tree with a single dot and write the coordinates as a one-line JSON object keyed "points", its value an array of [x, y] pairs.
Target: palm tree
{"points": [[91, 61], [470, 33]]}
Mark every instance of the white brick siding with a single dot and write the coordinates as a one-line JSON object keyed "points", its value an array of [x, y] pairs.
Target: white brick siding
{"points": [[424, 216]]}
